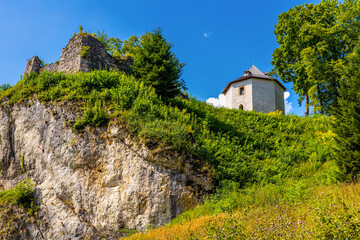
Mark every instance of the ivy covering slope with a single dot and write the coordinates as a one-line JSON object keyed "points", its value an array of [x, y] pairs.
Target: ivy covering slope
{"points": [[243, 148]]}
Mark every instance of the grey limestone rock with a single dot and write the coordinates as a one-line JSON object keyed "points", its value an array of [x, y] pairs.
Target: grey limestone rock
{"points": [[97, 182]]}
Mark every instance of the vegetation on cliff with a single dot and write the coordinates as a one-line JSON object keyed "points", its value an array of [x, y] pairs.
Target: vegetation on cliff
{"points": [[242, 147], [155, 64], [257, 159], [17, 210], [347, 124]]}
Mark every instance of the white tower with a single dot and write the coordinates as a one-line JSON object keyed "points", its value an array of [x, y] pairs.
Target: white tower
{"points": [[256, 91]]}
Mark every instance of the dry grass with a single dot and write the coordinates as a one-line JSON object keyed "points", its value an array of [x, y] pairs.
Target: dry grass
{"points": [[332, 212]]}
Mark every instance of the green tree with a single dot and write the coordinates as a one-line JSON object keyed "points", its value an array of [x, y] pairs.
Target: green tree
{"points": [[4, 87], [112, 45], [156, 65], [347, 123], [130, 45], [314, 39]]}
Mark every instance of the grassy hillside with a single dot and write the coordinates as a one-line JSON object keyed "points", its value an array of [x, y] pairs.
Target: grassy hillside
{"points": [[259, 161], [242, 147], [330, 212]]}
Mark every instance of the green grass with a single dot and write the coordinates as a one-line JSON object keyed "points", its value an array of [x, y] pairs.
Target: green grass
{"points": [[330, 212]]}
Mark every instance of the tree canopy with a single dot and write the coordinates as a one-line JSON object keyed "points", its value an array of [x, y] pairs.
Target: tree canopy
{"points": [[314, 40]]}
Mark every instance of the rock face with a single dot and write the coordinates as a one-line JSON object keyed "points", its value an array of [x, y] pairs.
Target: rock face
{"points": [[94, 183], [82, 53]]}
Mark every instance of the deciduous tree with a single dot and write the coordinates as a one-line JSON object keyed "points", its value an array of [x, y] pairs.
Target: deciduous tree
{"points": [[314, 39]]}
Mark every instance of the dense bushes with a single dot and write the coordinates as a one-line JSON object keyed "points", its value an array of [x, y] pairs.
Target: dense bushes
{"points": [[242, 147]]}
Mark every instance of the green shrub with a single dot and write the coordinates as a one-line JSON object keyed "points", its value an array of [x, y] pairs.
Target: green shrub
{"points": [[84, 51], [22, 194], [4, 87]]}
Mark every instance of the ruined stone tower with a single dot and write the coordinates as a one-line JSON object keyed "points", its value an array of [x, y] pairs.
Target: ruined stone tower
{"points": [[82, 53]]}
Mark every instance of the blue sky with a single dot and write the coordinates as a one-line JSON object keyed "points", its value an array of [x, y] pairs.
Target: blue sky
{"points": [[218, 40]]}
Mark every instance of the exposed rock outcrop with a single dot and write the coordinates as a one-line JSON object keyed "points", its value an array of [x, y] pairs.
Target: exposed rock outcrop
{"points": [[94, 183]]}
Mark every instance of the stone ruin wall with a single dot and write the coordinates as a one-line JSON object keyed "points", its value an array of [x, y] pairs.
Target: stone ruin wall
{"points": [[33, 65], [70, 58], [82, 53]]}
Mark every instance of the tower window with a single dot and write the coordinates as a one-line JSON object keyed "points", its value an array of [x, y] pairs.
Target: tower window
{"points": [[242, 91], [241, 107]]}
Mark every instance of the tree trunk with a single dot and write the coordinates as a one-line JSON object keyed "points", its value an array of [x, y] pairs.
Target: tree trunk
{"points": [[320, 98], [306, 105]]}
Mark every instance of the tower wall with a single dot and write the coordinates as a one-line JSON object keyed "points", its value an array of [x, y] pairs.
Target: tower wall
{"points": [[233, 99], [279, 95], [263, 96]]}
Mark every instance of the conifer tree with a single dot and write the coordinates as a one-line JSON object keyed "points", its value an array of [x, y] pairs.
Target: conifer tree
{"points": [[156, 65], [347, 124]]}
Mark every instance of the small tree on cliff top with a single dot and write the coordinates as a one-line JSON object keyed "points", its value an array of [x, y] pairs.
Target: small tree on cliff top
{"points": [[154, 62], [156, 65]]}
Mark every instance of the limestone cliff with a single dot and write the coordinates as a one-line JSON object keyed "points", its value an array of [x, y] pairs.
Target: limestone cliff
{"points": [[94, 183]]}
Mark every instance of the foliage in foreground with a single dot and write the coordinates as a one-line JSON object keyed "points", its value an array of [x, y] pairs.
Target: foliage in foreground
{"points": [[347, 115], [242, 147], [330, 212]]}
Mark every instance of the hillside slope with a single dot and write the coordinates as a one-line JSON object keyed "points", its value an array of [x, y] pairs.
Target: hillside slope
{"points": [[106, 153]]}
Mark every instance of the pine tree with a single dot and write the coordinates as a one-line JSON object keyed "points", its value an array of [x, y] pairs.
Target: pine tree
{"points": [[347, 123], [156, 65]]}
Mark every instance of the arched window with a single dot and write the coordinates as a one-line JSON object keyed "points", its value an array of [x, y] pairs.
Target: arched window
{"points": [[241, 107]]}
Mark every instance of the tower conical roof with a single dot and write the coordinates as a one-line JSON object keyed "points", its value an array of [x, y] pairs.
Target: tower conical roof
{"points": [[254, 71]]}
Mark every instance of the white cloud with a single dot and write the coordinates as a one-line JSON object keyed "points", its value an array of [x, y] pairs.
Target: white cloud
{"points": [[207, 34], [288, 105], [217, 102]]}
